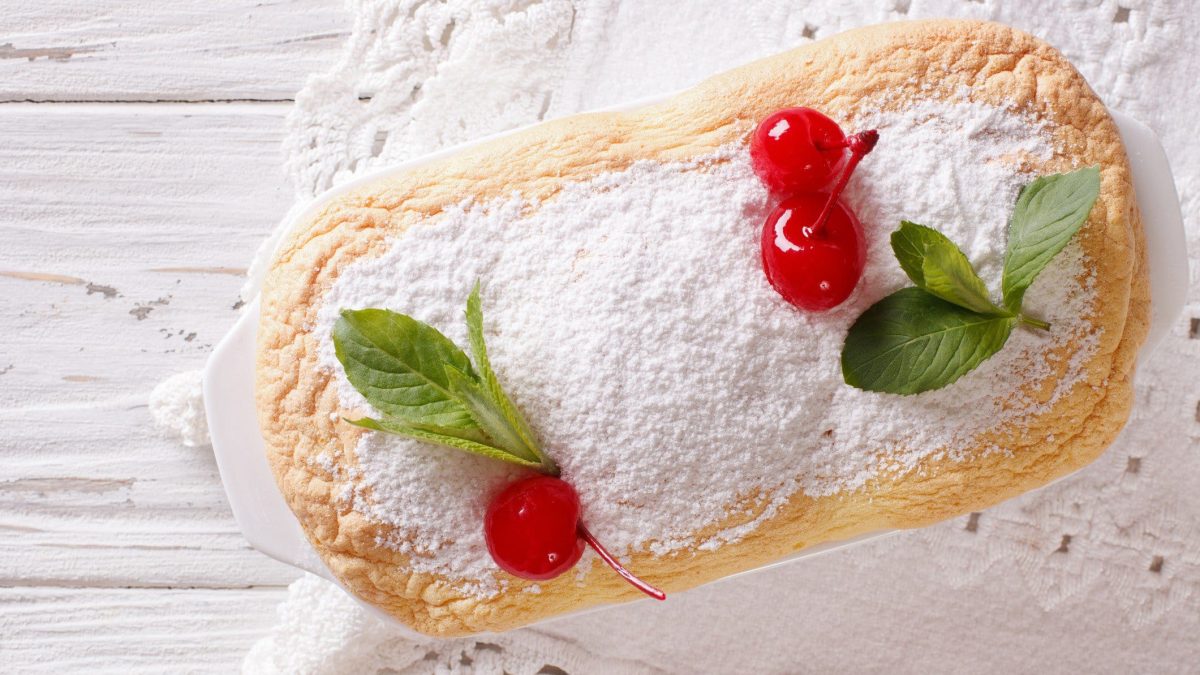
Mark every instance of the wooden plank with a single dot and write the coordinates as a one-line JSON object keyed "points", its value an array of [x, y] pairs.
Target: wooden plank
{"points": [[190, 50], [100, 630], [151, 210], [103, 501]]}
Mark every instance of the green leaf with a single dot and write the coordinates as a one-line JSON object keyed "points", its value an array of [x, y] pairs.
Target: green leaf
{"points": [[399, 365], [911, 341], [427, 389], [1049, 211], [935, 264], [400, 429], [489, 416], [516, 421]]}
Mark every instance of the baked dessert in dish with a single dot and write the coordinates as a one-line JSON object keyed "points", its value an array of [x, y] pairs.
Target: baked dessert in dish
{"points": [[709, 420]]}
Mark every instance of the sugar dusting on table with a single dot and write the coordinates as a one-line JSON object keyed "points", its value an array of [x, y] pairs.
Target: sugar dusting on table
{"points": [[177, 408], [630, 320]]}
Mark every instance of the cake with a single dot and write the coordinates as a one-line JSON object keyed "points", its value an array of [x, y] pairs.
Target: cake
{"points": [[705, 422]]}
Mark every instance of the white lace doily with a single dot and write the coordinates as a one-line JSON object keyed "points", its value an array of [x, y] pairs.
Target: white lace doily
{"points": [[1100, 571]]}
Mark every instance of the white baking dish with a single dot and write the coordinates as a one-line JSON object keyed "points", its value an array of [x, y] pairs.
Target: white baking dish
{"points": [[269, 525]]}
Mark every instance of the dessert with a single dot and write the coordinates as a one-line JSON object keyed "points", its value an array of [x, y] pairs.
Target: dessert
{"points": [[707, 423]]}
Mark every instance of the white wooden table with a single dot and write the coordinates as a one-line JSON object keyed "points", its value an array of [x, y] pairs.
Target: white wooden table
{"points": [[139, 170]]}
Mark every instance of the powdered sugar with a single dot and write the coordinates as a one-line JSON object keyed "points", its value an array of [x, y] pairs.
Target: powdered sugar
{"points": [[177, 407], [630, 319]]}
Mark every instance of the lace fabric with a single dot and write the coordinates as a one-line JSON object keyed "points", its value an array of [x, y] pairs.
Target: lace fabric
{"points": [[1116, 545]]}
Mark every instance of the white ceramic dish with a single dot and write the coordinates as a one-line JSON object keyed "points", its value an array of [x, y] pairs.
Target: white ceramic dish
{"points": [[269, 525]]}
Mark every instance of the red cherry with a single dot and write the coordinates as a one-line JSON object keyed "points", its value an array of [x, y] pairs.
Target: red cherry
{"points": [[533, 531], [812, 243], [532, 526], [797, 150], [813, 268]]}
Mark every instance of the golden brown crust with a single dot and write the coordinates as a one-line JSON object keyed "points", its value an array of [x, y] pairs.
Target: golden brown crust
{"points": [[996, 63]]}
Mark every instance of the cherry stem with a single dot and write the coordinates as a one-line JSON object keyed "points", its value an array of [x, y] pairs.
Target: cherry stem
{"points": [[836, 145], [860, 144], [612, 562]]}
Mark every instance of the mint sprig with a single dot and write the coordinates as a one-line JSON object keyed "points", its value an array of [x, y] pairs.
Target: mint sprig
{"points": [[912, 341], [428, 389], [400, 366], [1049, 212], [940, 268], [925, 338]]}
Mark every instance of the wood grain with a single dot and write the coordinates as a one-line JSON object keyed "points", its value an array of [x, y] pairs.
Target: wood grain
{"points": [[182, 50], [122, 231], [59, 630], [76, 512], [148, 208]]}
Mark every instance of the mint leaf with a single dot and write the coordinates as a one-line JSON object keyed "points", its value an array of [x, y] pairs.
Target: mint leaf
{"points": [[912, 341], [427, 389], [924, 338], [936, 265], [400, 429], [1049, 211], [516, 421], [399, 365], [489, 416]]}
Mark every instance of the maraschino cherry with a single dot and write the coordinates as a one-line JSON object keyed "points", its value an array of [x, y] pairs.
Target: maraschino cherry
{"points": [[813, 270], [812, 244], [530, 528], [797, 150], [534, 531]]}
